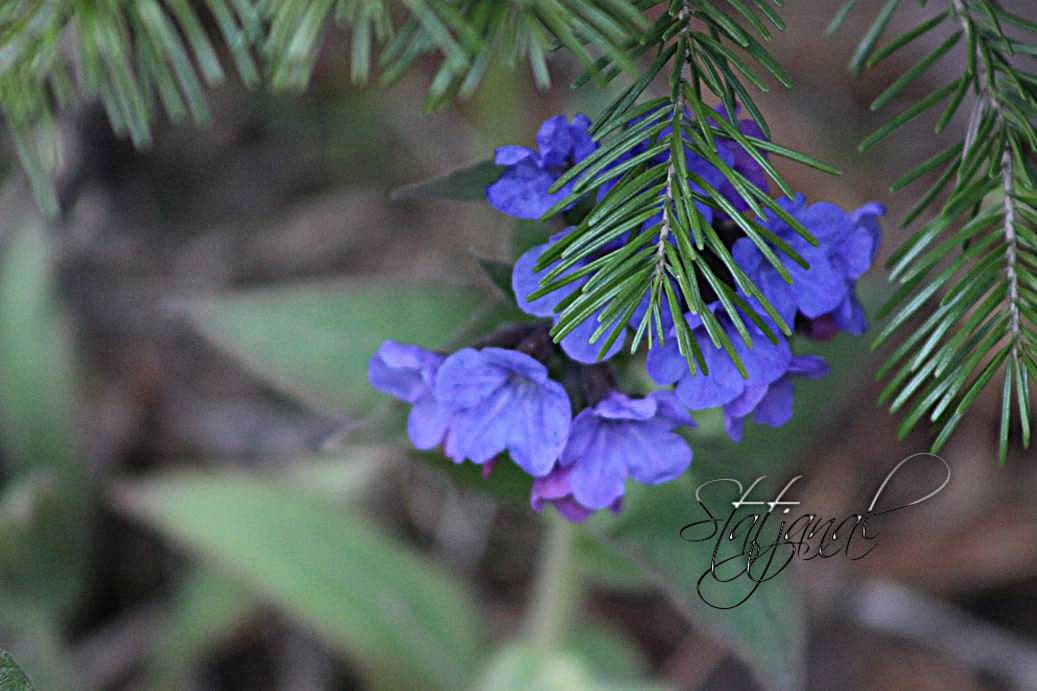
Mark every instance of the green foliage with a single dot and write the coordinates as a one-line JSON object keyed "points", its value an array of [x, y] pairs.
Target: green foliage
{"points": [[404, 619], [468, 183], [43, 502], [146, 57], [205, 608], [966, 305], [12, 678], [315, 340], [672, 251], [209, 605], [521, 667]]}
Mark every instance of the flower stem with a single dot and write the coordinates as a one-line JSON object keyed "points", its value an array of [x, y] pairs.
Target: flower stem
{"points": [[556, 589]]}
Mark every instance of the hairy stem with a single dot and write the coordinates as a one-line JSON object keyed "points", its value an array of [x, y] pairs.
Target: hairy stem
{"points": [[556, 589]]}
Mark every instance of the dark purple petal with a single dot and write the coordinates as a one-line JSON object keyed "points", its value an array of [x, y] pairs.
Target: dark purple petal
{"points": [[776, 407], [522, 191]]}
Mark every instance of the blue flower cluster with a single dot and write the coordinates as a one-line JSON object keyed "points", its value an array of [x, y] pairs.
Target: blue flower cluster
{"points": [[478, 403]]}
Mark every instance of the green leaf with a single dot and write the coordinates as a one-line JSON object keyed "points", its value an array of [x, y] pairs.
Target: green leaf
{"points": [[314, 340], [522, 667], [36, 368], [205, 609], [767, 631], [12, 678], [467, 184], [43, 508], [403, 618], [209, 605], [499, 274]]}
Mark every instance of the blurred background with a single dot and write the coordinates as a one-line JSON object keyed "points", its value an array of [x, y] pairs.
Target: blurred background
{"points": [[112, 376]]}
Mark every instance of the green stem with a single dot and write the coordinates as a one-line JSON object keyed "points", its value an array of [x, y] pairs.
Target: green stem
{"points": [[556, 590]]}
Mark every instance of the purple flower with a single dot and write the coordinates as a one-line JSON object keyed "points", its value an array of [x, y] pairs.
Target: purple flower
{"points": [[824, 293], [408, 373], [854, 253], [523, 188], [771, 403], [502, 400], [556, 489], [742, 162], [620, 437], [525, 281], [764, 364]]}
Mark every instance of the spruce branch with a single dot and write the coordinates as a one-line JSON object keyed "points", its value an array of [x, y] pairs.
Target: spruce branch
{"points": [[981, 305], [648, 245], [143, 58]]}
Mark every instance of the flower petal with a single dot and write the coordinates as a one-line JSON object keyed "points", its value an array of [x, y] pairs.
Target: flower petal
{"points": [[522, 191], [525, 281], [466, 378], [402, 371], [776, 407], [427, 423], [653, 454], [578, 347], [538, 424]]}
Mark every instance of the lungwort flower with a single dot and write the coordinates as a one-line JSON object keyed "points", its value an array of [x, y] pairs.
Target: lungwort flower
{"points": [[825, 292], [502, 400], [525, 280], [765, 362], [408, 373], [618, 438], [523, 189], [771, 404]]}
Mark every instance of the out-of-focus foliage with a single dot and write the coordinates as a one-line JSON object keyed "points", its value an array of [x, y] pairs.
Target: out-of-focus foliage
{"points": [[521, 667], [408, 623], [314, 341], [146, 57], [12, 678], [44, 495]]}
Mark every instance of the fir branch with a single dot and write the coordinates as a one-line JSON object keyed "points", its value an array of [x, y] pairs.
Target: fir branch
{"points": [[981, 319], [672, 259], [141, 58]]}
